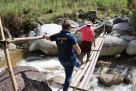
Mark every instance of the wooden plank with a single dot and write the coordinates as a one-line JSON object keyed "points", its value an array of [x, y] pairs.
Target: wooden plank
{"points": [[89, 69], [91, 72], [79, 75], [82, 66], [75, 71]]}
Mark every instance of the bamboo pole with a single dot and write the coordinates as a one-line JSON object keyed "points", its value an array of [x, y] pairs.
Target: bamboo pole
{"points": [[80, 75], [22, 39], [11, 73]]}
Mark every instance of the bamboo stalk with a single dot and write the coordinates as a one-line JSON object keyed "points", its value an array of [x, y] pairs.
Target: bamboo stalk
{"points": [[80, 75], [89, 69], [22, 39], [11, 73]]}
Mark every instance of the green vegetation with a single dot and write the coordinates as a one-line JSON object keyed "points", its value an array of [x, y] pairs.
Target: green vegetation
{"points": [[17, 14], [133, 21]]}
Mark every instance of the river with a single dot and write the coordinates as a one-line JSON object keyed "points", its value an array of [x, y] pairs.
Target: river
{"points": [[50, 67]]}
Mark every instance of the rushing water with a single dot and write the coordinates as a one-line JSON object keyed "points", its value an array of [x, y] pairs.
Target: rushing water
{"points": [[51, 67]]}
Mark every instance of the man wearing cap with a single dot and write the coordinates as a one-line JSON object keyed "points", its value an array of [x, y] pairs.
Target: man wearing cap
{"points": [[87, 38]]}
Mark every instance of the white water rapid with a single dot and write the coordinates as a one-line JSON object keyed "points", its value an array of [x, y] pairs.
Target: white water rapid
{"points": [[51, 67]]}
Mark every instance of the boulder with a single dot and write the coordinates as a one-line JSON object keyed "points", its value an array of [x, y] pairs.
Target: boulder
{"points": [[130, 77], [115, 34], [57, 79], [120, 20], [81, 22], [112, 46], [131, 47], [49, 28], [47, 46], [71, 22], [6, 33], [98, 28], [127, 38], [122, 28], [2, 69], [110, 77], [60, 21], [33, 47], [133, 88], [92, 16], [56, 82], [2, 55], [31, 34], [82, 14], [28, 79], [108, 25], [44, 45], [12, 47]]}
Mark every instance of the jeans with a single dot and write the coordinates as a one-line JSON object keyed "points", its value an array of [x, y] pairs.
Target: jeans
{"points": [[69, 67]]}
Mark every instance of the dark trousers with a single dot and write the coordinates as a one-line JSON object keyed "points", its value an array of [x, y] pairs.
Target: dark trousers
{"points": [[86, 46], [86, 49], [69, 67]]}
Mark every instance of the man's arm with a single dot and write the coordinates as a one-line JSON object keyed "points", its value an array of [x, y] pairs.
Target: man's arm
{"points": [[46, 36], [76, 31], [77, 48]]}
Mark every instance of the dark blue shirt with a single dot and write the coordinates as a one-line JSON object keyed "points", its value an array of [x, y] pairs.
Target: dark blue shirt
{"points": [[65, 41]]}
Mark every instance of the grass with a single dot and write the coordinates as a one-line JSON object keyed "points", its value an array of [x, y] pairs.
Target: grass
{"points": [[18, 15], [35, 8]]}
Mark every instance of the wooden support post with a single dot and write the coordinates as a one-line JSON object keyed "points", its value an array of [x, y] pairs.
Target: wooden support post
{"points": [[11, 73]]}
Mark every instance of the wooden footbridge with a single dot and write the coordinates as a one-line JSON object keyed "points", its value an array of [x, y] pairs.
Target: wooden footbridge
{"points": [[82, 76]]}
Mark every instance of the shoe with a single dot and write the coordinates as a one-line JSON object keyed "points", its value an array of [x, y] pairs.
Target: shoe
{"points": [[77, 64]]}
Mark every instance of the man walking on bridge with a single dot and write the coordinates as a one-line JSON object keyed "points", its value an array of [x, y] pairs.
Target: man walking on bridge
{"points": [[68, 48], [87, 38]]}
